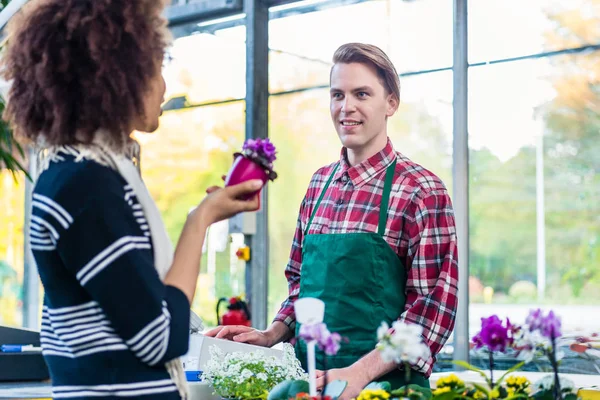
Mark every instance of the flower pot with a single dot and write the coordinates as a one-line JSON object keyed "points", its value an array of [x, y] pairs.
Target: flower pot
{"points": [[245, 169]]}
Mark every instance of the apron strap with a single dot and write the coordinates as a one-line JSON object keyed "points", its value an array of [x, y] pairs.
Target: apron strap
{"points": [[385, 197], [321, 198]]}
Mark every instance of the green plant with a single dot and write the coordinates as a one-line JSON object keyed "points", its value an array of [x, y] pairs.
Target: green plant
{"points": [[8, 145], [288, 390], [250, 375]]}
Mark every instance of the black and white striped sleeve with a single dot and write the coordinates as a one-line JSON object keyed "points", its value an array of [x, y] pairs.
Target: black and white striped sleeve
{"points": [[110, 254]]}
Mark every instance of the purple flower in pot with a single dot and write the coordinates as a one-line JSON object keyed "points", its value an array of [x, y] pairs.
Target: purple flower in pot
{"points": [[255, 161]]}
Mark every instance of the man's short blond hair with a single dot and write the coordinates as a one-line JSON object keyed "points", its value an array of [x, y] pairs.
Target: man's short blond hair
{"points": [[373, 56]]}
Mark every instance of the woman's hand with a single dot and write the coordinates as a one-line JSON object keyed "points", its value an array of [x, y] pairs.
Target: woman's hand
{"points": [[224, 203]]}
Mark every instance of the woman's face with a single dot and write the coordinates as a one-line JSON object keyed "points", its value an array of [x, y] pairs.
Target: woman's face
{"points": [[152, 102]]}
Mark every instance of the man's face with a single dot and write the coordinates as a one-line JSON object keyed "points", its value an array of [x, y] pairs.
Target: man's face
{"points": [[359, 105]]}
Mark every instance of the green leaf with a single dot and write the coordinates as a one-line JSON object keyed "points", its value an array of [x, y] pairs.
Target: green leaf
{"points": [[468, 366], [512, 369], [385, 386], [482, 389], [287, 389], [570, 396], [517, 396], [400, 392], [8, 145], [425, 392], [447, 396], [543, 395], [502, 391]]}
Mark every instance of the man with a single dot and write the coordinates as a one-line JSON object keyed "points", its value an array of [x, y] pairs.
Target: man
{"points": [[375, 238]]}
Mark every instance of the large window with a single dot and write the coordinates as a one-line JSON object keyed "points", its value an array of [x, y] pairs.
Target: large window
{"points": [[511, 28], [533, 132], [534, 192]]}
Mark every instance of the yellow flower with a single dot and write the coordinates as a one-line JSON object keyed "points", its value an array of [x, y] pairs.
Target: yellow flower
{"points": [[479, 395], [517, 384], [373, 394], [495, 394], [441, 390], [451, 380], [519, 381]]}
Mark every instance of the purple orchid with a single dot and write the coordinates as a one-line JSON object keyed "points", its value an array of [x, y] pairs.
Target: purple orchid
{"points": [[332, 344], [493, 335], [551, 326], [326, 341], [548, 325], [534, 319]]}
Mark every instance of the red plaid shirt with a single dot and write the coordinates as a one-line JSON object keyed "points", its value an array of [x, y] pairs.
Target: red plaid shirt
{"points": [[420, 229]]}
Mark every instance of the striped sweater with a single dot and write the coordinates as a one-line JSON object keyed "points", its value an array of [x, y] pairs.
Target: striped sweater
{"points": [[108, 322]]}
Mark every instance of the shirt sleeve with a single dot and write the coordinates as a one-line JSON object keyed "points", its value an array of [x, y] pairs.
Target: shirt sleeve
{"points": [[111, 257], [432, 279]]}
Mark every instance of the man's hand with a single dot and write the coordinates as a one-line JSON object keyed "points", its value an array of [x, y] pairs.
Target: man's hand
{"points": [[241, 333], [356, 378]]}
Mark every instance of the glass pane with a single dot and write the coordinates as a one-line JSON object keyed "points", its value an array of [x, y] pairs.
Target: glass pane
{"points": [[421, 130], [191, 151], [534, 193], [302, 45], [208, 67], [11, 248], [509, 28]]}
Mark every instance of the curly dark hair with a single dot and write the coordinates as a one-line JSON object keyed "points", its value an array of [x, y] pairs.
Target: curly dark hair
{"points": [[80, 65]]}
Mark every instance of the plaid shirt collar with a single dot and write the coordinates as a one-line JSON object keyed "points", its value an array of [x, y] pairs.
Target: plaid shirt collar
{"points": [[366, 170]]}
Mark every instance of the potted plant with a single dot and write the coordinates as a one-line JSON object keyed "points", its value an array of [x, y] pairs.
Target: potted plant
{"points": [[250, 375], [255, 161]]}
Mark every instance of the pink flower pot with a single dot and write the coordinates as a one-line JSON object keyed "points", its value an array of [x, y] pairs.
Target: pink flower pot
{"points": [[244, 169]]}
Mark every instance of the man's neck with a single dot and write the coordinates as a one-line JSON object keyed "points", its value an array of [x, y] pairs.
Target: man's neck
{"points": [[357, 156]]}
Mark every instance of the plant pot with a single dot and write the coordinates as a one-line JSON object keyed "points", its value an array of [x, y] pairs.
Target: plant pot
{"points": [[245, 169]]}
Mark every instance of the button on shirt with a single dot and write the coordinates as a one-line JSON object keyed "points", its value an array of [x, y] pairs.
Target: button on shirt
{"points": [[420, 229]]}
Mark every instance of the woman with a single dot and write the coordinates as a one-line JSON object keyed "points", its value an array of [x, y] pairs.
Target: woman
{"points": [[85, 74]]}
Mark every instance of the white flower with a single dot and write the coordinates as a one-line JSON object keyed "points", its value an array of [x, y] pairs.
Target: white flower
{"points": [[405, 344], [388, 354], [232, 374], [533, 344], [382, 330], [407, 329], [262, 376], [547, 383], [246, 373], [526, 355]]}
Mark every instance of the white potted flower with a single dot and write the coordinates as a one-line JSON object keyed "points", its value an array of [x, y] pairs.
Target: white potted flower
{"points": [[250, 376]]}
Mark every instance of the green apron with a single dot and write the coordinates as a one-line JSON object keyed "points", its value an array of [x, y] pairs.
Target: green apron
{"points": [[362, 282]]}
